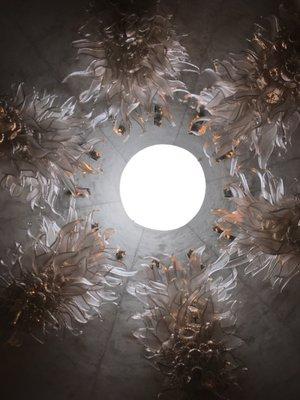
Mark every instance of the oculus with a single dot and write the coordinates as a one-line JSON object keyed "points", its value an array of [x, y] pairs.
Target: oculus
{"points": [[162, 187]]}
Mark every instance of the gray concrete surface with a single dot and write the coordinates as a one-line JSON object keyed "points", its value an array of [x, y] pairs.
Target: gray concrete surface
{"points": [[106, 362]]}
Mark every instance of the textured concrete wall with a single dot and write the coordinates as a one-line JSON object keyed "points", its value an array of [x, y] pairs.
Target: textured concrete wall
{"points": [[106, 363]]}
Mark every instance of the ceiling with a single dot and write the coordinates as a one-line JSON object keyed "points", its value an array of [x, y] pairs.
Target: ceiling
{"points": [[106, 362]]}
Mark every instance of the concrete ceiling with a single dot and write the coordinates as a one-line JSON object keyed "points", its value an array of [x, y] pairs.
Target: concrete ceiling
{"points": [[106, 362]]}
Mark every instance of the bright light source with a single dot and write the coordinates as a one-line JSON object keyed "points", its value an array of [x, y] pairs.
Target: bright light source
{"points": [[162, 187]]}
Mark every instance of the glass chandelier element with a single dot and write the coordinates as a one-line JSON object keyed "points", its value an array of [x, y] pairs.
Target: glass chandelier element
{"points": [[253, 104], [184, 330], [58, 283], [134, 68], [266, 230], [43, 145]]}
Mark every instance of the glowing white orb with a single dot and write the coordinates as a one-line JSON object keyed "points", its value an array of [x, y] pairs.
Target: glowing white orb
{"points": [[162, 187]]}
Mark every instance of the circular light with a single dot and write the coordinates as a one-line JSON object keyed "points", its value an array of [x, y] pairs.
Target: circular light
{"points": [[162, 187]]}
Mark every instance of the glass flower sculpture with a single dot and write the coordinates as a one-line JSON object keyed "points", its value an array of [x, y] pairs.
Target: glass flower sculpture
{"points": [[59, 282], [42, 146], [266, 230], [183, 326], [134, 69], [253, 104]]}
